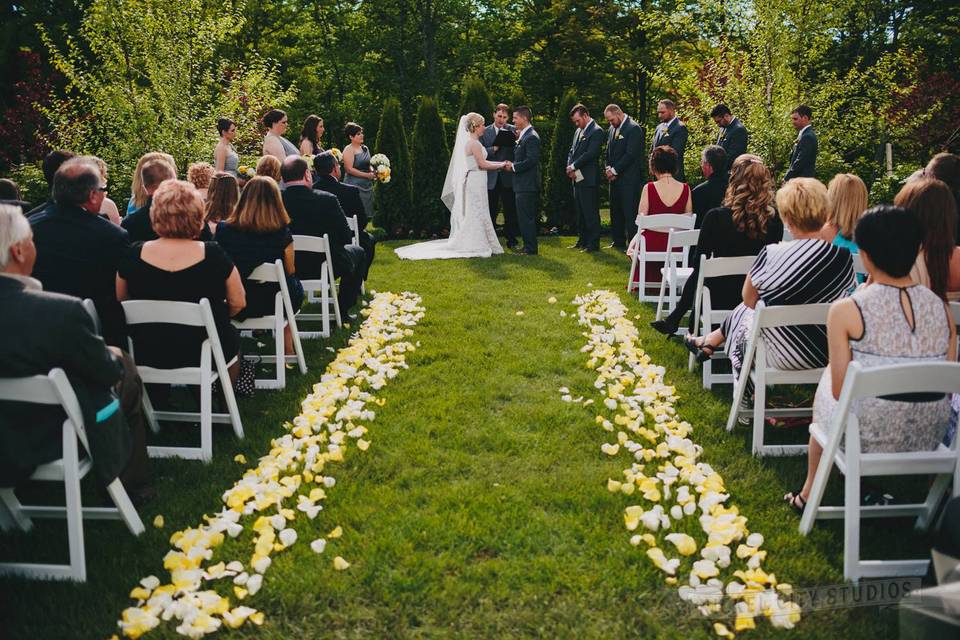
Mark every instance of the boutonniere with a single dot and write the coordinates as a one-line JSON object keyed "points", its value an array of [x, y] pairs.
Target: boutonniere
{"points": [[517, 142], [619, 136]]}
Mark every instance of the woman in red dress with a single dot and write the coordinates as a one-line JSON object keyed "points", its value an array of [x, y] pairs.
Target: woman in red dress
{"points": [[665, 194]]}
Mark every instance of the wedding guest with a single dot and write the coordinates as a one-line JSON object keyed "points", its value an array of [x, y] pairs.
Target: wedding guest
{"points": [[893, 320], [938, 263], [326, 170], [733, 135], [746, 223], [315, 213], [311, 136], [805, 270], [654, 200], [803, 157], [356, 164], [200, 174], [40, 331], [109, 208], [140, 196], [152, 174], [269, 166], [222, 198], [51, 163], [709, 194], [225, 157], [847, 197], [78, 251], [274, 144], [584, 175], [500, 183], [946, 168], [180, 268], [623, 168], [257, 232], [10, 194], [672, 133]]}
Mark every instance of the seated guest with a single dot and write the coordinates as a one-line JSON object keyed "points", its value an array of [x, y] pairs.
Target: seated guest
{"points": [[746, 223], [847, 198], [892, 320], [805, 270], [178, 267], [51, 162], [256, 232], [269, 166], [137, 223], [139, 196], [222, 197], [315, 213], [938, 263], [10, 194], [946, 168], [78, 251], [326, 171], [709, 194], [41, 331], [109, 208], [200, 174]]}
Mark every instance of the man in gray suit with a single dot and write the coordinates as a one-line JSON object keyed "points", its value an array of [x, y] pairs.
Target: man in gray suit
{"points": [[803, 157], [624, 151], [671, 132], [526, 178], [733, 135], [584, 173], [500, 183]]}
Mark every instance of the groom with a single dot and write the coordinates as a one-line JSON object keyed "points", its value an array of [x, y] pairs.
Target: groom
{"points": [[526, 178]]}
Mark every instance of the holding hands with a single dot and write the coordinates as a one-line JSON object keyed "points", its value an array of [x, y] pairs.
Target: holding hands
{"points": [[507, 166], [611, 176]]}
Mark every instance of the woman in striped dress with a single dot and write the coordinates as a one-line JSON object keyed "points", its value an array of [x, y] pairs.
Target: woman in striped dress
{"points": [[805, 270]]}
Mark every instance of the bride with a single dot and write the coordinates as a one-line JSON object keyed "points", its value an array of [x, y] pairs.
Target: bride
{"points": [[465, 193]]}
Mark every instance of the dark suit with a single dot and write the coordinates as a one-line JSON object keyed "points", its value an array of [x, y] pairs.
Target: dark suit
{"points": [[708, 195], [624, 151], [315, 213], [526, 186], [733, 139], [583, 156], [500, 184], [349, 197], [674, 135], [138, 224], [803, 157], [78, 253], [40, 208], [40, 331]]}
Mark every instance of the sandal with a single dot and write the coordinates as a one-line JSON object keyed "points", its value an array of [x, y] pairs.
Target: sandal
{"points": [[796, 501], [702, 351]]}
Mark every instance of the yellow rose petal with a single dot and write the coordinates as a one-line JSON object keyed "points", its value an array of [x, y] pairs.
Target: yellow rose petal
{"points": [[336, 533], [158, 522], [340, 564], [240, 458]]}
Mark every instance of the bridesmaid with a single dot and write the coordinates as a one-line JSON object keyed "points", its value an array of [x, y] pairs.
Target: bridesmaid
{"points": [[225, 157], [274, 144], [356, 162], [311, 136]]}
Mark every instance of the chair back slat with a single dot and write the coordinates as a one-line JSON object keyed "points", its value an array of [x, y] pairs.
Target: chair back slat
{"points": [[312, 244], [732, 266], [667, 222], [268, 272], [680, 239], [791, 315], [164, 312], [921, 377], [32, 389]]}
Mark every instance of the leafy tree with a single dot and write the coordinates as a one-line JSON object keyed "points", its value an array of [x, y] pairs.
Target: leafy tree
{"points": [[393, 202], [559, 201], [476, 98], [430, 158]]}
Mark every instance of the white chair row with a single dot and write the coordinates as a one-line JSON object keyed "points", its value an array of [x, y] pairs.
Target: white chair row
{"points": [[322, 290]]}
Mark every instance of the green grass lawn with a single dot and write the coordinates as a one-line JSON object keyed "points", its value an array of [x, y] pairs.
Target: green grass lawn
{"points": [[481, 508]]}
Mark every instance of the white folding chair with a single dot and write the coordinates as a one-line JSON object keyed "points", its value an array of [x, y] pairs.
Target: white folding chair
{"points": [[355, 228], [854, 464], [325, 286], [282, 316], [763, 374], [676, 271], [706, 318], [55, 389], [92, 312], [663, 222], [213, 366]]}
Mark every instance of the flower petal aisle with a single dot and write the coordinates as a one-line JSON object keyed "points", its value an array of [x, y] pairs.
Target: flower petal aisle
{"points": [[671, 485], [288, 483]]}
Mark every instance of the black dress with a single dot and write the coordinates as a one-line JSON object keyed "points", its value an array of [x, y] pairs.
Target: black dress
{"points": [[250, 249], [170, 346]]}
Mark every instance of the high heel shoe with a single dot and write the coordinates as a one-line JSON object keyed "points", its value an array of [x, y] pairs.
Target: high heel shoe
{"points": [[664, 327]]}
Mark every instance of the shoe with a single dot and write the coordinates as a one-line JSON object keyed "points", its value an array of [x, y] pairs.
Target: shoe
{"points": [[618, 247], [796, 501], [553, 231], [702, 351], [512, 244], [664, 327], [575, 246], [589, 249]]}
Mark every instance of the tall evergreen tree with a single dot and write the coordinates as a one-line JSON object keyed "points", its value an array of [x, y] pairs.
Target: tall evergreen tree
{"points": [[559, 201], [430, 158], [393, 198], [476, 98]]}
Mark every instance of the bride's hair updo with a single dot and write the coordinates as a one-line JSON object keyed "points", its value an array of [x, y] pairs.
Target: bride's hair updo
{"points": [[474, 121]]}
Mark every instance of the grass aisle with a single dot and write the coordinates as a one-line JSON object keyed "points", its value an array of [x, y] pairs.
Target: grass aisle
{"points": [[480, 509]]}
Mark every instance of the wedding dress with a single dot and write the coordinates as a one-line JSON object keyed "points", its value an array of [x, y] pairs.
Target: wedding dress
{"points": [[465, 193]]}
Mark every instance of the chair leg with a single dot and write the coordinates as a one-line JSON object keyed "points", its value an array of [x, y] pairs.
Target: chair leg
{"points": [[127, 511], [232, 407], [74, 508], [325, 308], [759, 408], [281, 353], [851, 523], [206, 417], [739, 391], [149, 414], [13, 507], [939, 487]]}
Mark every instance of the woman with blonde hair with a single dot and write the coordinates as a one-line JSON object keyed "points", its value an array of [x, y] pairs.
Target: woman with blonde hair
{"points": [[256, 232], [938, 263], [746, 223], [139, 195], [847, 197], [270, 167], [222, 197]]}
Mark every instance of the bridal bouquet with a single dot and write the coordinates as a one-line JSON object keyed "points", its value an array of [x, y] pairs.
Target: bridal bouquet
{"points": [[381, 166], [244, 171]]}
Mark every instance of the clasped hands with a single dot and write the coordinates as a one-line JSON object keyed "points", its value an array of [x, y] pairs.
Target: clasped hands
{"points": [[507, 166], [611, 176]]}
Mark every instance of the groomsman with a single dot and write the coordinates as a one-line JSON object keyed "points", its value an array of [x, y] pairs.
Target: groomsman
{"points": [[584, 174], [624, 151], [803, 157], [500, 183], [733, 135], [671, 132], [526, 179]]}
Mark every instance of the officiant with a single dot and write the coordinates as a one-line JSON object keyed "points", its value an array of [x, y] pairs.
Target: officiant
{"points": [[499, 139]]}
